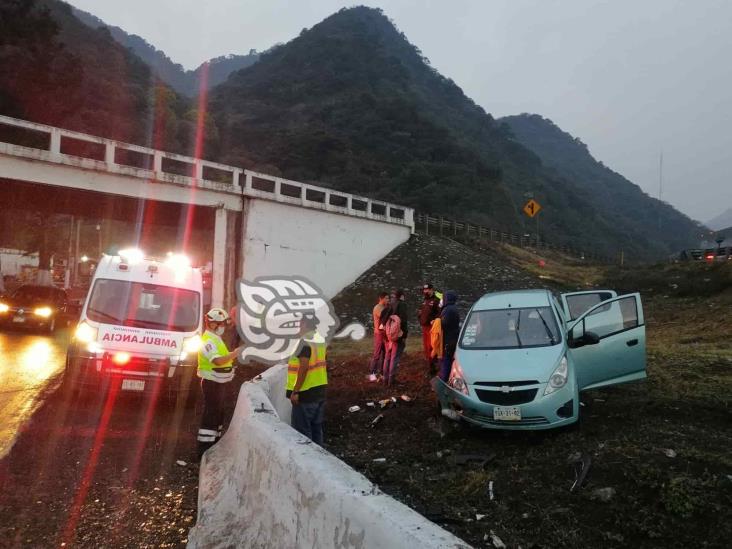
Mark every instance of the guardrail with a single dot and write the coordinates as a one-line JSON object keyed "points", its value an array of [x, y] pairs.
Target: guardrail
{"points": [[443, 226], [57, 145]]}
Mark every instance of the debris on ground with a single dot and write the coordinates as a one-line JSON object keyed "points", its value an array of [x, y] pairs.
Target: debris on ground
{"points": [[450, 414], [379, 460], [668, 452], [406, 398], [603, 494], [377, 419], [181, 463], [581, 465], [354, 409], [496, 541], [490, 490]]}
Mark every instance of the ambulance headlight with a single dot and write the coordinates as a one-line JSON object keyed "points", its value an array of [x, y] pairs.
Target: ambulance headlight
{"points": [[192, 344], [85, 333]]}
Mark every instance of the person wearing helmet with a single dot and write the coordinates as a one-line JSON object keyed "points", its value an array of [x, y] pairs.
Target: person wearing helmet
{"points": [[215, 368]]}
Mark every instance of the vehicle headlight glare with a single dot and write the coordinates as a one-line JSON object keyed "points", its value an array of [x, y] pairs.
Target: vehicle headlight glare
{"points": [[192, 344], [85, 333], [45, 312], [4, 308], [559, 376]]}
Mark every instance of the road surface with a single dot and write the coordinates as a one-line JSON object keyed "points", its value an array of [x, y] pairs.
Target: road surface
{"points": [[30, 364]]}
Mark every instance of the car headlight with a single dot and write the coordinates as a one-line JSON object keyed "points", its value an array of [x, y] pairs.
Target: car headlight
{"points": [[558, 379], [85, 333], [4, 308], [45, 312], [457, 378]]}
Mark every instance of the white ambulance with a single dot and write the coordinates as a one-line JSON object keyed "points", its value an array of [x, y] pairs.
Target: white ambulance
{"points": [[140, 326]]}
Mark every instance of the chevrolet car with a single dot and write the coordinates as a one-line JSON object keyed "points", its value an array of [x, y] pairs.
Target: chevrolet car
{"points": [[524, 356]]}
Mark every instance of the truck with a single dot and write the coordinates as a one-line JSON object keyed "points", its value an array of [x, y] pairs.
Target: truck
{"points": [[140, 327]]}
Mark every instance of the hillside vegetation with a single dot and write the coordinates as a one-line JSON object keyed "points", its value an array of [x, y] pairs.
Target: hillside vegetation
{"points": [[349, 104]]}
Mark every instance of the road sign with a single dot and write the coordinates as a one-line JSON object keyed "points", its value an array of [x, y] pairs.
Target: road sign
{"points": [[532, 208]]}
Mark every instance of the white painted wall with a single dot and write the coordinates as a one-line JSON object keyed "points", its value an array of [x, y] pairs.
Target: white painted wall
{"points": [[12, 261], [263, 485], [330, 249]]}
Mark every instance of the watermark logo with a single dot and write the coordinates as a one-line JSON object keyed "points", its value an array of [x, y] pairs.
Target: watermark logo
{"points": [[270, 313]]}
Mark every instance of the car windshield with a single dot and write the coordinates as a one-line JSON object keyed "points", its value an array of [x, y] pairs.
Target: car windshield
{"points": [[510, 329], [25, 293], [143, 305]]}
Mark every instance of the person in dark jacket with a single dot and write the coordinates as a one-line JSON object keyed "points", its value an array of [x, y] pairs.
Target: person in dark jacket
{"points": [[450, 318], [428, 311], [398, 307]]}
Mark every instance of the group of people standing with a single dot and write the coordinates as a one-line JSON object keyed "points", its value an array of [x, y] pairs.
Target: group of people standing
{"points": [[439, 320]]}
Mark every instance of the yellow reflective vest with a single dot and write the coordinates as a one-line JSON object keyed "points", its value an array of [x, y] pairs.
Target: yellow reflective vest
{"points": [[316, 374], [213, 346]]}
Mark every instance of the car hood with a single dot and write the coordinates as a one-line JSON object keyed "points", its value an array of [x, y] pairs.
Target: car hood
{"points": [[28, 302], [535, 363]]}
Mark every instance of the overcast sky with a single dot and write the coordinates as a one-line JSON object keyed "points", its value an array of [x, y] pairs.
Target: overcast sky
{"points": [[629, 77]]}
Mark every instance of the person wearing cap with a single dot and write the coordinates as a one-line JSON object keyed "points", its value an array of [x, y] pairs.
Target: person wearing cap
{"points": [[429, 311], [307, 380], [215, 368]]}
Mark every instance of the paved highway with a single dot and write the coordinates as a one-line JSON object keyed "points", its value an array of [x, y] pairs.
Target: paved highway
{"points": [[30, 364]]}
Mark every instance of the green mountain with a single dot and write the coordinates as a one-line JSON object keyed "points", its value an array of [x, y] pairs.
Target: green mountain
{"points": [[650, 224], [56, 70], [186, 82], [352, 104]]}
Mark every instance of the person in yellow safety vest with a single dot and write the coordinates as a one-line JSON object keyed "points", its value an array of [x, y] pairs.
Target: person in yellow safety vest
{"points": [[215, 368], [307, 380]]}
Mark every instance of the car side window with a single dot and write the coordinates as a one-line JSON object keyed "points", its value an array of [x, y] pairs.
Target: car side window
{"points": [[617, 317], [578, 304]]}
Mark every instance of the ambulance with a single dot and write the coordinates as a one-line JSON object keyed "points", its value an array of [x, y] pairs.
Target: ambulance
{"points": [[140, 326]]}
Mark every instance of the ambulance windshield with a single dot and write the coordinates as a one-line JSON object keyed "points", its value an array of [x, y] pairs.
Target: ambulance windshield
{"points": [[142, 305]]}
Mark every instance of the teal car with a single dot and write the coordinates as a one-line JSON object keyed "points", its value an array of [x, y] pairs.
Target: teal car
{"points": [[524, 356]]}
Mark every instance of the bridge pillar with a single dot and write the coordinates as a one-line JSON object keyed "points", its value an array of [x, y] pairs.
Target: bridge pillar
{"points": [[218, 282]]}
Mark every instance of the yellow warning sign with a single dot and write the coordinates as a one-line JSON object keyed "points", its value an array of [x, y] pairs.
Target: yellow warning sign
{"points": [[532, 208]]}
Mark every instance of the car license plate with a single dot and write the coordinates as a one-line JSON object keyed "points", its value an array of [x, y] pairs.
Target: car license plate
{"points": [[507, 413], [133, 385], [19, 319]]}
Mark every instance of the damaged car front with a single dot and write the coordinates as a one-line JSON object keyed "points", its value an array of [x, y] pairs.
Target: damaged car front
{"points": [[511, 368]]}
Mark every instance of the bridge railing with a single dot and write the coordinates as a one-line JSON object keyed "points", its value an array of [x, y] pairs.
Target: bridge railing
{"points": [[444, 226], [67, 147]]}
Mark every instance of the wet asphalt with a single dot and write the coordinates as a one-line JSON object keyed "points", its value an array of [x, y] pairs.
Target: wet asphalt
{"points": [[31, 363]]}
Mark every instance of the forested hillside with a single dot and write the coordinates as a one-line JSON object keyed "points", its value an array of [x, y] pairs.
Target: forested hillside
{"points": [[652, 224], [187, 82], [349, 104]]}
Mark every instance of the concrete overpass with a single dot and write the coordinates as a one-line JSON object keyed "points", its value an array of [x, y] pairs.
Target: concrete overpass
{"points": [[264, 225]]}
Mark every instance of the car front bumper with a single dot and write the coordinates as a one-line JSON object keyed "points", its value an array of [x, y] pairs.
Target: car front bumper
{"points": [[544, 412]]}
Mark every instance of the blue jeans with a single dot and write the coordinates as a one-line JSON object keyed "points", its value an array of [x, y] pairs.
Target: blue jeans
{"points": [[391, 360], [377, 358], [307, 418]]}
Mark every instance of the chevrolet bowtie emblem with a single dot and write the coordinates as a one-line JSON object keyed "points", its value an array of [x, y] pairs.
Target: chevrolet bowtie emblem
{"points": [[505, 389]]}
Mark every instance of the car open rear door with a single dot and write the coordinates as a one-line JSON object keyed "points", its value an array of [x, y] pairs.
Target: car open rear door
{"points": [[576, 303], [620, 354]]}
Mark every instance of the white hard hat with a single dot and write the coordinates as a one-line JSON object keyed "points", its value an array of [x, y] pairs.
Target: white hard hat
{"points": [[217, 315]]}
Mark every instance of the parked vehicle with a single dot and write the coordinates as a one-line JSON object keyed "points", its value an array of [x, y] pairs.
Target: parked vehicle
{"points": [[37, 307], [140, 325], [524, 356]]}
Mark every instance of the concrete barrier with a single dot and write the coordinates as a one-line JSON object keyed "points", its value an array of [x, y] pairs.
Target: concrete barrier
{"points": [[266, 486]]}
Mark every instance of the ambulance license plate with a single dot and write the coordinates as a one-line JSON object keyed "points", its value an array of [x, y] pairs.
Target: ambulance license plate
{"points": [[19, 319], [507, 413], [133, 385]]}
